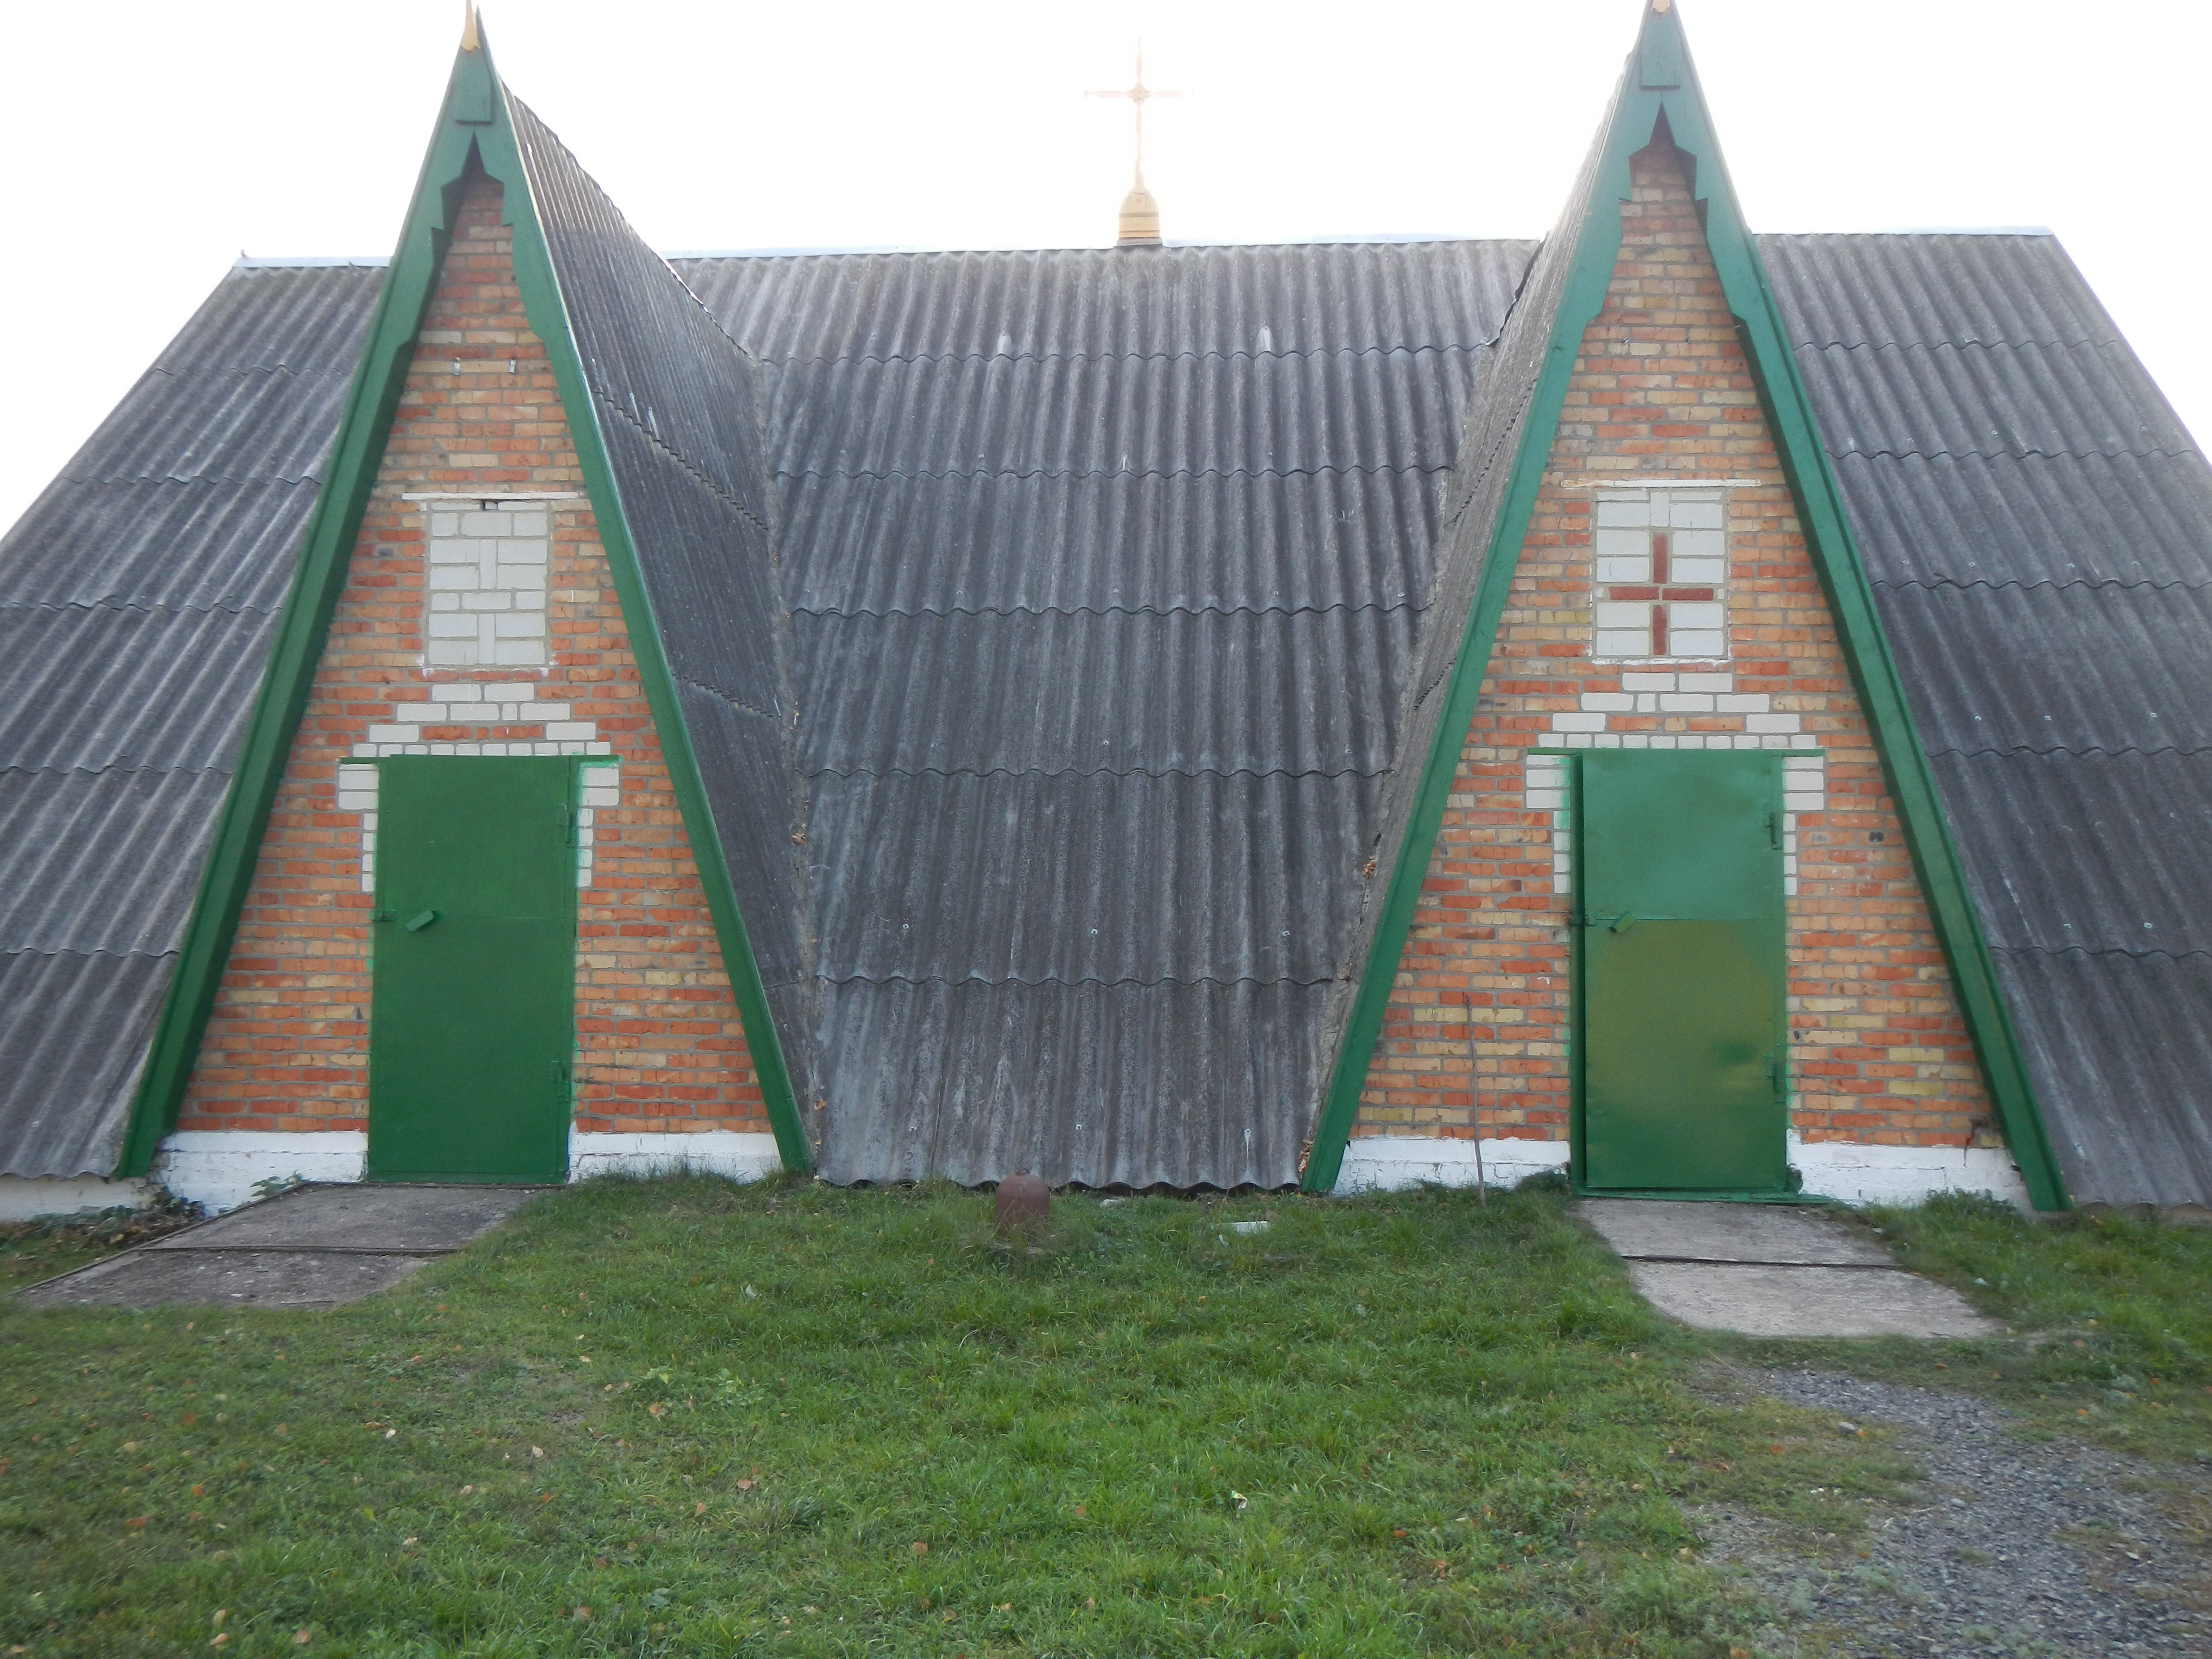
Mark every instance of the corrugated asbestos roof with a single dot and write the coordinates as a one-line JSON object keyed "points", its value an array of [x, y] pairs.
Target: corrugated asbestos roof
{"points": [[2038, 527], [1053, 629], [1105, 571], [682, 409], [137, 597]]}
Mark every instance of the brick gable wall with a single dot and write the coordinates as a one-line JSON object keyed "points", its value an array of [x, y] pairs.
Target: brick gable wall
{"points": [[1879, 1051], [659, 1047]]}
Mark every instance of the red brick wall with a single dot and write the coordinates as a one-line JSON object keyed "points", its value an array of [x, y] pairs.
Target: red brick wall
{"points": [[1879, 1051], [658, 1042]]}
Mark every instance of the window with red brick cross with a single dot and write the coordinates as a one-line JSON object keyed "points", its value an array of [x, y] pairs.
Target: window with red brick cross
{"points": [[1660, 587]]}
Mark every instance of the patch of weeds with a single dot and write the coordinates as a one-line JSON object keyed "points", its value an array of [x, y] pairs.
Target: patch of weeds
{"points": [[47, 1245]]}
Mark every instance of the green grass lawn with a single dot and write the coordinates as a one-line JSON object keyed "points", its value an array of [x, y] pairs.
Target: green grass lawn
{"points": [[684, 1418], [2110, 1319]]}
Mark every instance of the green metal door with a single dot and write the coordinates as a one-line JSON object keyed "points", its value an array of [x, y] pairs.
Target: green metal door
{"points": [[1681, 970], [471, 1018]]}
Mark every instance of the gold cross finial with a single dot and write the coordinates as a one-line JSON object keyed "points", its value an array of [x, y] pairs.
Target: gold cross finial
{"points": [[1140, 214], [471, 39]]}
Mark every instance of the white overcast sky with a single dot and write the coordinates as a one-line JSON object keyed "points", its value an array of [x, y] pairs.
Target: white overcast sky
{"points": [[148, 143]]}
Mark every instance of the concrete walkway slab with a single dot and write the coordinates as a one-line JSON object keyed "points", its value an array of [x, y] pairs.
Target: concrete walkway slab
{"points": [[1756, 1300], [377, 1216], [1792, 1235], [1774, 1270], [314, 1246]]}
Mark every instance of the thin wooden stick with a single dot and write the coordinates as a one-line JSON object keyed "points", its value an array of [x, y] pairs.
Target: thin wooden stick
{"points": [[1482, 1183]]}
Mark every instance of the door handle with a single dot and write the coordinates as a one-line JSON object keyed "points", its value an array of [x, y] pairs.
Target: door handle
{"points": [[1622, 923], [418, 924]]}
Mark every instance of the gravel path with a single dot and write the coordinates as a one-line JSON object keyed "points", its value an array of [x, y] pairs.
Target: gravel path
{"points": [[2021, 1547]]}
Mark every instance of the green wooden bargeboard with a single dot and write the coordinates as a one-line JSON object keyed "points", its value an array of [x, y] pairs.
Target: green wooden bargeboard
{"points": [[472, 1020], [1682, 971]]}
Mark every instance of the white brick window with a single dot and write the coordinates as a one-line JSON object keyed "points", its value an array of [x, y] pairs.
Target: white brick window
{"points": [[1660, 587], [489, 564]]}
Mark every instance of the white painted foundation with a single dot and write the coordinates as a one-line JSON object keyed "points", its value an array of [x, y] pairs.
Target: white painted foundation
{"points": [[220, 1168], [1860, 1174], [1393, 1162], [25, 1197], [1847, 1170], [733, 1156]]}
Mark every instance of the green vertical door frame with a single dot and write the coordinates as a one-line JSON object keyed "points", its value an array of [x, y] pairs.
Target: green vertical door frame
{"points": [[474, 119], [1662, 83]]}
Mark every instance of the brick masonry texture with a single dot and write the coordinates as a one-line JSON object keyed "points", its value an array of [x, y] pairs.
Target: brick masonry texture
{"points": [[658, 1043], [1878, 1049]]}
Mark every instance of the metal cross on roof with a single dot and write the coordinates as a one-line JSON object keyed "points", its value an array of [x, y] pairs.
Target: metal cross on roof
{"points": [[1138, 95], [1140, 214]]}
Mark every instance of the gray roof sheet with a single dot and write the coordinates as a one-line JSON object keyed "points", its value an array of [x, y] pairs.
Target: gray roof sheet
{"points": [[138, 597], [1109, 541], [683, 408], [1105, 571], [2038, 527]]}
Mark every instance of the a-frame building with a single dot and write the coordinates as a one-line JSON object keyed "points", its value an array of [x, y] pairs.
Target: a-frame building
{"points": [[1709, 714]]}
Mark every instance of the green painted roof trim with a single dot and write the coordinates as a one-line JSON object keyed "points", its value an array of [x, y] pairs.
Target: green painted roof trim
{"points": [[474, 120], [1661, 84]]}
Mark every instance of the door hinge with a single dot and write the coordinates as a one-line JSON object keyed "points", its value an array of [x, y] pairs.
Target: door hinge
{"points": [[1774, 831], [561, 1078], [1774, 1072], [379, 915]]}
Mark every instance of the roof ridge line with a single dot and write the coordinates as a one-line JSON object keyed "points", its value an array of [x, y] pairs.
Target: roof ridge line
{"points": [[1108, 253]]}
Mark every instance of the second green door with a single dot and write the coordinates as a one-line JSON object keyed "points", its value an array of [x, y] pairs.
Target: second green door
{"points": [[1681, 968], [471, 1016]]}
